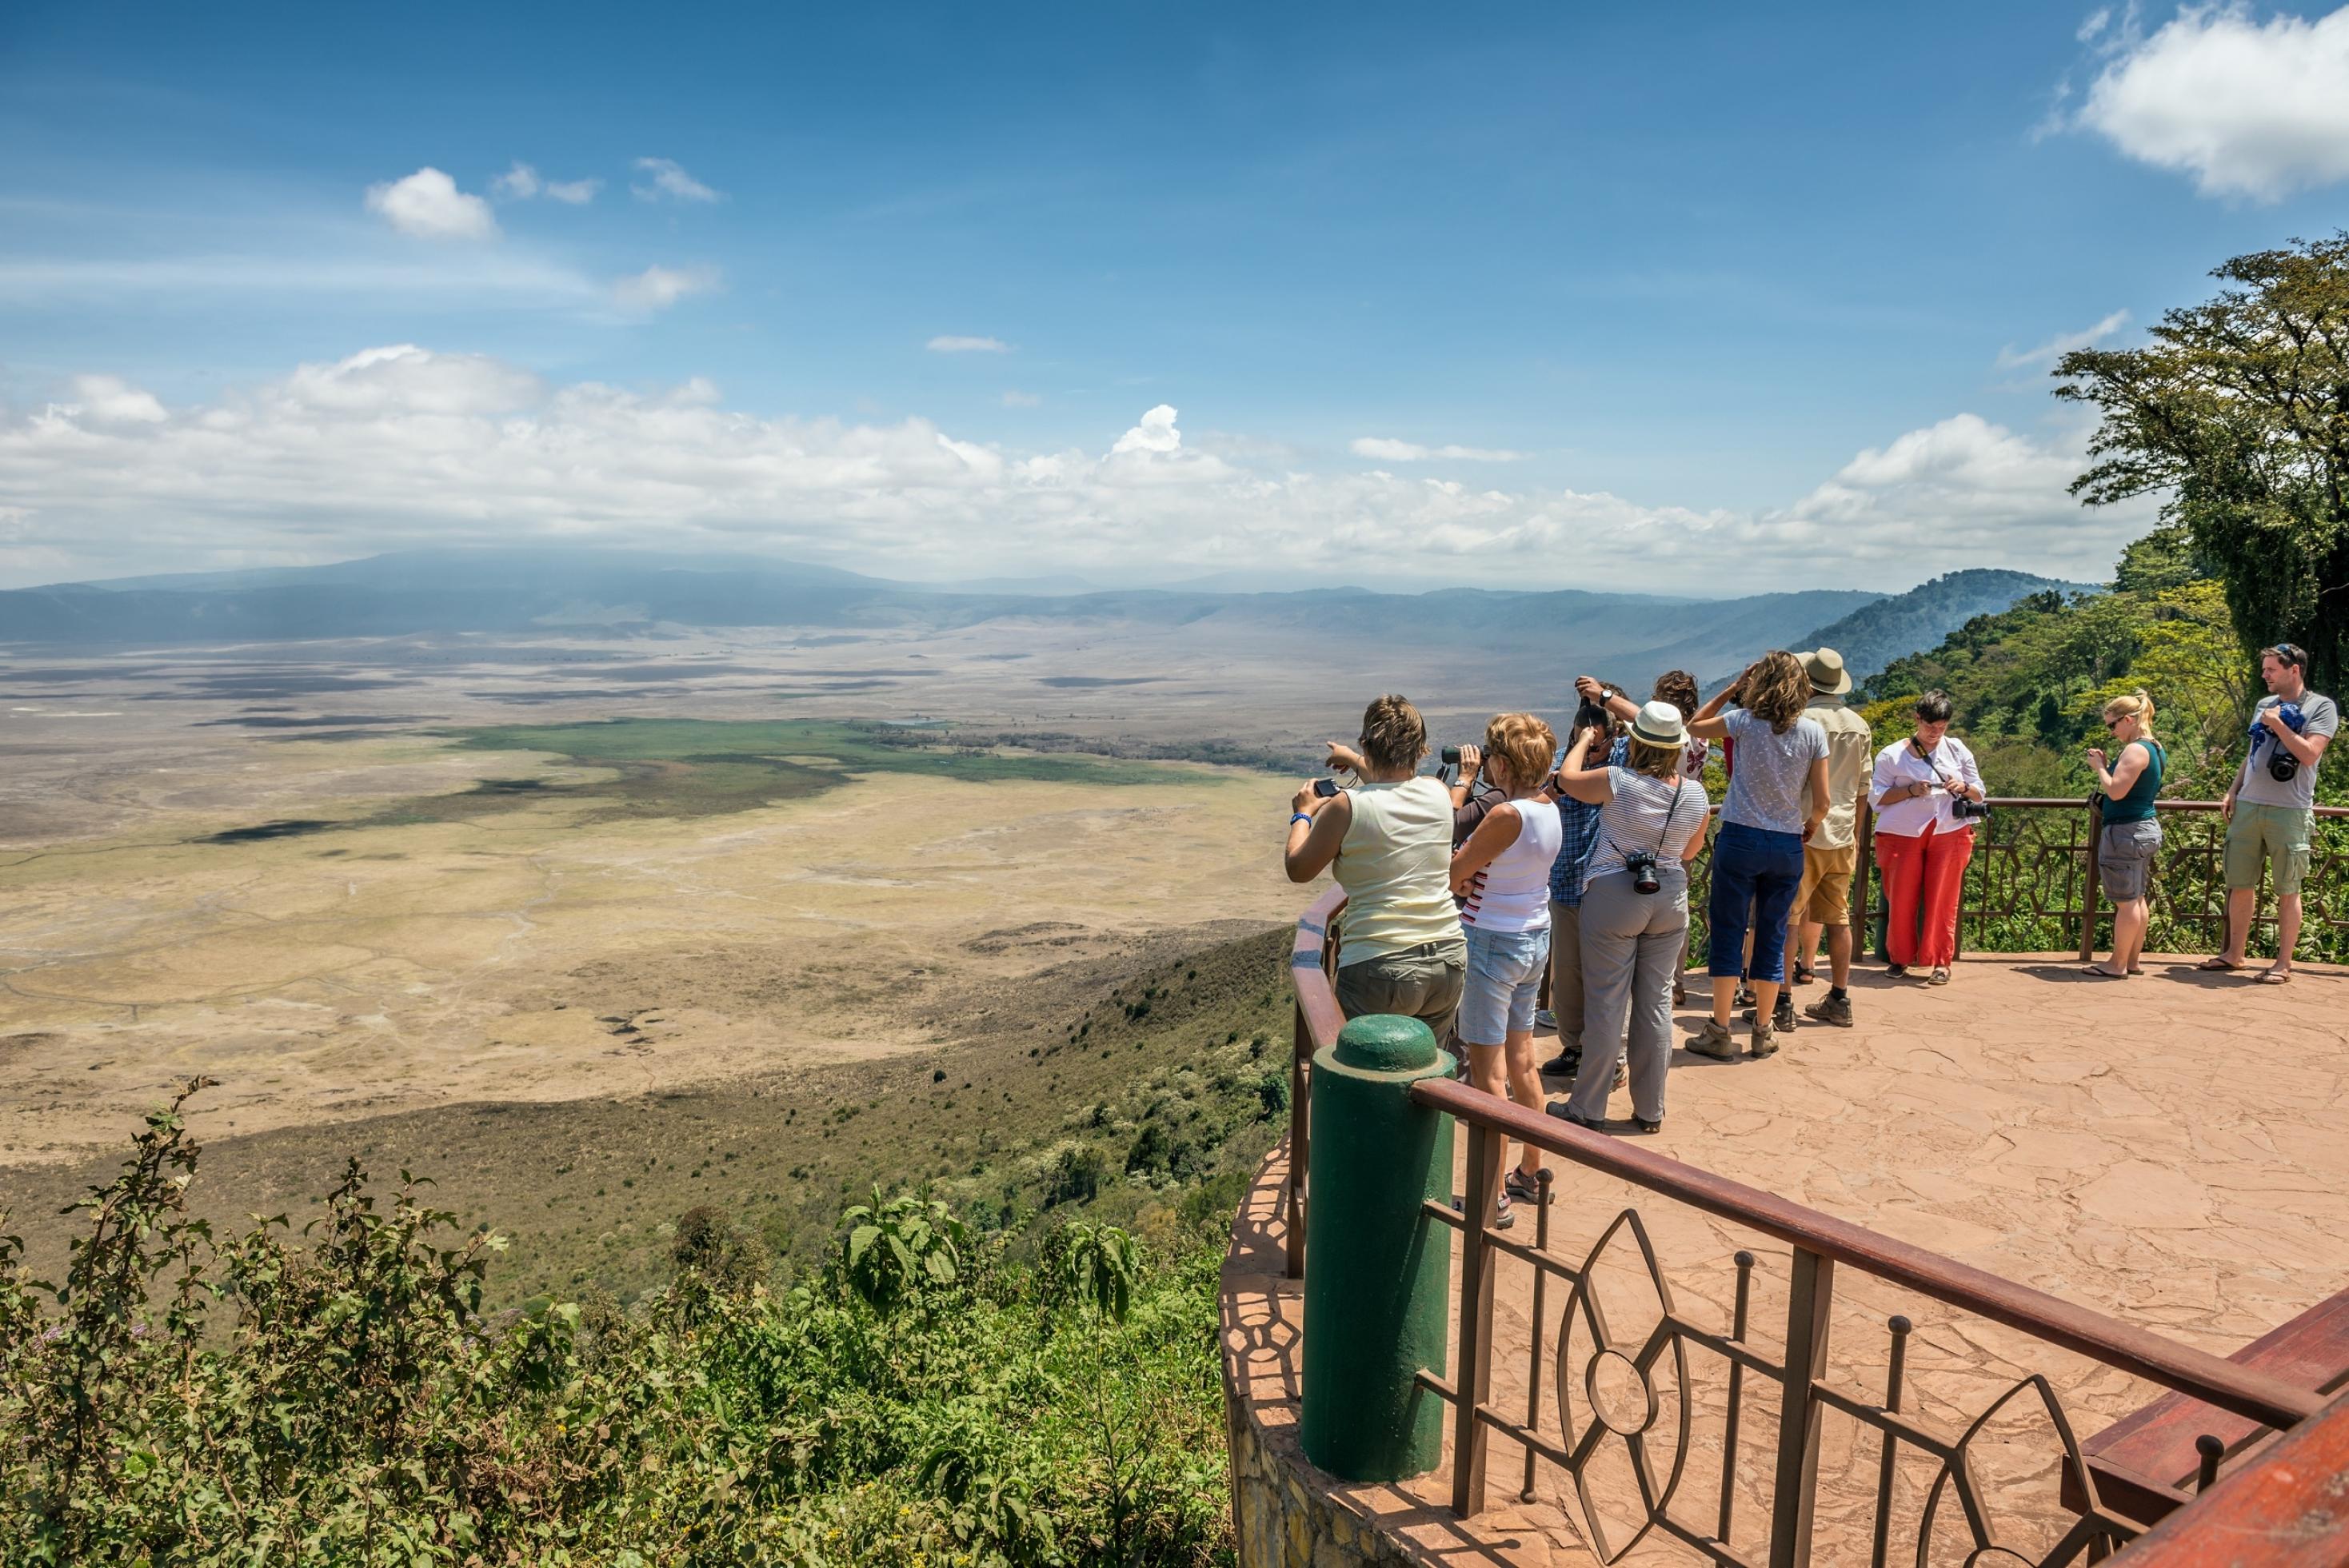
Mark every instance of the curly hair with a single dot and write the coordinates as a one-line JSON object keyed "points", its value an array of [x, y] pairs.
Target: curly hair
{"points": [[1393, 735], [1523, 745], [2136, 706], [1777, 690], [1679, 689]]}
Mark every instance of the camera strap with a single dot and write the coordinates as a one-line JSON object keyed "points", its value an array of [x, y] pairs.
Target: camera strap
{"points": [[1664, 834]]}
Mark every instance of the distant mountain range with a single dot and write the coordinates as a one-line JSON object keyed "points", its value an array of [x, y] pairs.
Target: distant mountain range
{"points": [[1875, 634], [623, 592]]}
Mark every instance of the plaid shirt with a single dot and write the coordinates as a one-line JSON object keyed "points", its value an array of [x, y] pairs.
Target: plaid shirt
{"points": [[1577, 836]]}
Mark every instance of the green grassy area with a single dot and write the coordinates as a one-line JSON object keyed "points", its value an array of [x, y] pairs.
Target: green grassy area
{"points": [[687, 768]]}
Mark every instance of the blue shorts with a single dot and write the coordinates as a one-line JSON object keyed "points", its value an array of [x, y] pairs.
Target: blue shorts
{"points": [[1504, 972]]}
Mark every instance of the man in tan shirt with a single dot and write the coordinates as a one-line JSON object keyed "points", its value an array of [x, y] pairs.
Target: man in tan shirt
{"points": [[1832, 855]]}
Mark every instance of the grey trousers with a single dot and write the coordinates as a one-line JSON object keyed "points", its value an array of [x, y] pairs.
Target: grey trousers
{"points": [[1565, 973], [1631, 949]]}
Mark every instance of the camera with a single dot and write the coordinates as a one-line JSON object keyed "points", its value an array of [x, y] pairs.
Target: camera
{"points": [[2283, 767], [1325, 788], [1642, 867], [1964, 810], [1451, 756]]}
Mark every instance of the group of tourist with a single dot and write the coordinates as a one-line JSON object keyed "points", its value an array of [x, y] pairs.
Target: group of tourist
{"points": [[1569, 863]]}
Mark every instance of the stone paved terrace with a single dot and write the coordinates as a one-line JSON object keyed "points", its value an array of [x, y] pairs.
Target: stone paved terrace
{"points": [[2170, 1149]]}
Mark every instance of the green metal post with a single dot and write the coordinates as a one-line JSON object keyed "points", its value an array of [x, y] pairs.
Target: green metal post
{"points": [[1377, 1268]]}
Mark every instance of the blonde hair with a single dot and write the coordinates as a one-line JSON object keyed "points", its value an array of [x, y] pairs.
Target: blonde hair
{"points": [[1655, 762], [2136, 706], [1778, 690], [1524, 744], [1393, 735]]}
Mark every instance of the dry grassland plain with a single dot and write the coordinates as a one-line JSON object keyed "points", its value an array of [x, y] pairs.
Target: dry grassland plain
{"points": [[544, 946]]}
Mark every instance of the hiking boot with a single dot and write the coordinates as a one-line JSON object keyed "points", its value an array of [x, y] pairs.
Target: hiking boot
{"points": [[1714, 1040], [1782, 1019], [1765, 1041], [1831, 1009]]}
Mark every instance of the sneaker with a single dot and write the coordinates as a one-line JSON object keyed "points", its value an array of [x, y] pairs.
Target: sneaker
{"points": [[1897, 971], [1782, 1018], [1766, 1042], [1544, 1019], [1714, 1040], [1831, 1009]]}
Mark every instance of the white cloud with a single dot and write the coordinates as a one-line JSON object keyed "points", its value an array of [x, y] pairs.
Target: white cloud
{"points": [[949, 343], [669, 179], [428, 204], [110, 400], [658, 288], [2249, 108], [523, 183], [519, 184], [404, 445], [1386, 449], [1014, 398], [2063, 342]]}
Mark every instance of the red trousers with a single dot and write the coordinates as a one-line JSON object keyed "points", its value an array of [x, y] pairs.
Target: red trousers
{"points": [[1925, 873]]}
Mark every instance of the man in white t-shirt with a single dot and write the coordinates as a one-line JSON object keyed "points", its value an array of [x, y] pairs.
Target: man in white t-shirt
{"points": [[2271, 807]]}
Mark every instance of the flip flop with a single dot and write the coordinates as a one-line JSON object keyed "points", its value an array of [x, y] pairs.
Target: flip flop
{"points": [[2101, 973], [2218, 966], [2275, 977]]}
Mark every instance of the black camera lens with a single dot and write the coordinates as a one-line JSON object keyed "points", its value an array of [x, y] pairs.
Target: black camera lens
{"points": [[1450, 757]]}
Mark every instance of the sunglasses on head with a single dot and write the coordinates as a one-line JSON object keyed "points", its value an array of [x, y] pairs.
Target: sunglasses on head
{"points": [[2291, 653]]}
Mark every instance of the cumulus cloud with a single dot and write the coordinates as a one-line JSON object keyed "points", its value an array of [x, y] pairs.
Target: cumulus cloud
{"points": [[658, 288], [404, 446], [2249, 107], [949, 343], [667, 178], [2062, 344], [523, 183], [1384, 450], [429, 205]]}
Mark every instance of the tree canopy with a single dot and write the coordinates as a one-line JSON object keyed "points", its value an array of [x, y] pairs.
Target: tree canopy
{"points": [[2239, 409]]}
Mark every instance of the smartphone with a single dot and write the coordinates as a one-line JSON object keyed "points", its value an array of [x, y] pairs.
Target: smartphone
{"points": [[1325, 788]]}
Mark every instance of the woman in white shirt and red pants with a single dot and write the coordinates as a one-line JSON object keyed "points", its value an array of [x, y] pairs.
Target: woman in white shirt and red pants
{"points": [[1921, 845]]}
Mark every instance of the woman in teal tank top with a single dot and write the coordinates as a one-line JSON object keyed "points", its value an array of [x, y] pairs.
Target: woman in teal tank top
{"points": [[2132, 834]]}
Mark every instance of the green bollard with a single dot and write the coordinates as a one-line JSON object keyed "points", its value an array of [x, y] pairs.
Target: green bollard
{"points": [[1377, 1270]]}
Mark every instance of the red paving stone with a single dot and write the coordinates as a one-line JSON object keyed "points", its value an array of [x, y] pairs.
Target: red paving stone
{"points": [[2167, 1149]]}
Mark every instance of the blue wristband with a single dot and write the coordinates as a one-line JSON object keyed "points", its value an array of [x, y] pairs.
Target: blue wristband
{"points": [[1297, 817]]}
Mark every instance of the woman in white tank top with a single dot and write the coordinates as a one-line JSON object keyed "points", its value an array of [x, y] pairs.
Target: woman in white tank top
{"points": [[1501, 875]]}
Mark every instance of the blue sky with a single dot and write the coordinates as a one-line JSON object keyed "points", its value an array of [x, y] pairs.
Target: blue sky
{"points": [[1713, 298]]}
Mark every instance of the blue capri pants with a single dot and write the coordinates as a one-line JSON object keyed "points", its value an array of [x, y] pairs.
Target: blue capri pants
{"points": [[1756, 869]]}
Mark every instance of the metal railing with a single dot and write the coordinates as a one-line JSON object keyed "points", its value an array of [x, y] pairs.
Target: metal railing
{"points": [[2033, 885], [2265, 1488]]}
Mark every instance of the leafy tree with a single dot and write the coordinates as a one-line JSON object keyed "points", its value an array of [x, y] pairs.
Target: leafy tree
{"points": [[901, 1251], [2238, 412]]}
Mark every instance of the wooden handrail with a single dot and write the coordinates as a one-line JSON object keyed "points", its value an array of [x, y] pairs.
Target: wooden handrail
{"points": [[2093, 1334], [2283, 1508]]}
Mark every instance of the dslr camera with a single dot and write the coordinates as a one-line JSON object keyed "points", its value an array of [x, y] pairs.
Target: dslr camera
{"points": [[2283, 767], [1966, 811], [1641, 864]]}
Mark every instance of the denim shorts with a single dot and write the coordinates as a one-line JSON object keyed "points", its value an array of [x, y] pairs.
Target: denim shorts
{"points": [[1504, 972]]}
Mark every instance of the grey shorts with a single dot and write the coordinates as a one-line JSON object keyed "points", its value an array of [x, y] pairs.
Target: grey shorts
{"points": [[1420, 983], [2124, 854]]}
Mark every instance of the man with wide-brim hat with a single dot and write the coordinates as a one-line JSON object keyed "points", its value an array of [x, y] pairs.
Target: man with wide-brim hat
{"points": [[1832, 856]]}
